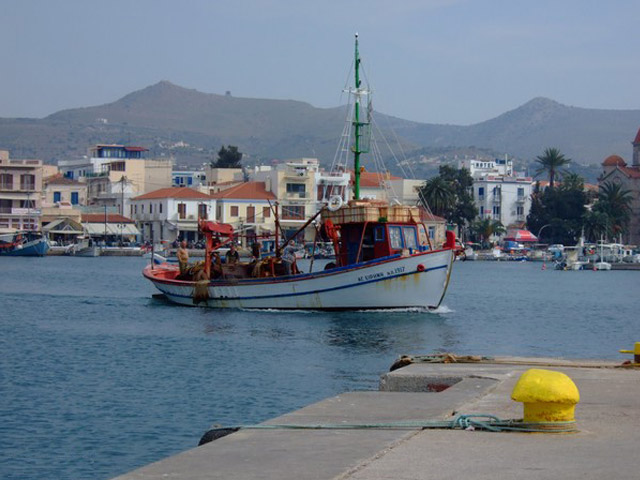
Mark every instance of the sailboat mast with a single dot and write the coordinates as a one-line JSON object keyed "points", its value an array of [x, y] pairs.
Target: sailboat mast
{"points": [[357, 125]]}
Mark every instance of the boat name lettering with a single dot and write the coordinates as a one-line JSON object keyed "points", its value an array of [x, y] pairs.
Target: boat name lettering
{"points": [[373, 276]]}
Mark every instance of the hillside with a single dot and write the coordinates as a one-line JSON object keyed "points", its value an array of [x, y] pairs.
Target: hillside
{"points": [[191, 125]]}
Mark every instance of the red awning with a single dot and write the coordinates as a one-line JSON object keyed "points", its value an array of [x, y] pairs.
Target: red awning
{"points": [[521, 236]]}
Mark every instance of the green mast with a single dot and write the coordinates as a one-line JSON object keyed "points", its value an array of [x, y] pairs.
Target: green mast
{"points": [[357, 124]]}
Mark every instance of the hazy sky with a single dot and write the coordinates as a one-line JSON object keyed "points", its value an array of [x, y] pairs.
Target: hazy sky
{"points": [[436, 61]]}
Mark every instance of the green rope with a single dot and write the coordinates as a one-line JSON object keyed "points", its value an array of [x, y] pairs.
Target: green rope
{"points": [[482, 422]]}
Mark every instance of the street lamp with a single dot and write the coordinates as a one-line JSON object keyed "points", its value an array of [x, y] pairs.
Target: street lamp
{"points": [[542, 228]]}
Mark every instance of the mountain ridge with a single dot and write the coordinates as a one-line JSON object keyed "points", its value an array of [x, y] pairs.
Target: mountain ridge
{"points": [[162, 115]]}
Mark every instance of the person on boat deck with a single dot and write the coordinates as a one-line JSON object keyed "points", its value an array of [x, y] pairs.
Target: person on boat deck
{"points": [[216, 266], [255, 251], [232, 257], [183, 257], [289, 257]]}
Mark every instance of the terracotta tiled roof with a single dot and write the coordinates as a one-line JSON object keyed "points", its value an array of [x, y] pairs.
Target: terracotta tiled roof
{"points": [[99, 218], [245, 191], [632, 172], [614, 161], [173, 192], [59, 179], [373, 179]]}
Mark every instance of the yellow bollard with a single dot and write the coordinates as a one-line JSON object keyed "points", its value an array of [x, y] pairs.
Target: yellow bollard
{"points": [[635, 351], [548, 396]]}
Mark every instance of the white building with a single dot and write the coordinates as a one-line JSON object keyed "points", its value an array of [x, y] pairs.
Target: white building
{"points": [[171, 213], [498, 191]]}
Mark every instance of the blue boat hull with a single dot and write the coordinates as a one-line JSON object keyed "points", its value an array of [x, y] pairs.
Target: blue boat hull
{"points": [[36, 248]]}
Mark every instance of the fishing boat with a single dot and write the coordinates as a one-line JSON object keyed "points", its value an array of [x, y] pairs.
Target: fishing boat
{"points": [[23, 244], [384, 258]]}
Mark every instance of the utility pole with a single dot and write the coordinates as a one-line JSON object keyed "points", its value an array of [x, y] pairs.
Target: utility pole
{"points": [[122, 181]]}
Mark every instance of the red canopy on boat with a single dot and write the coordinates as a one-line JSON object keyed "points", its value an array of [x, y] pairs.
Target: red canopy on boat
{"points": [[521, 236]]}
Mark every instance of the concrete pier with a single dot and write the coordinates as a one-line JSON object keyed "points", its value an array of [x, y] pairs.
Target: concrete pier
{"points": [[605, 446]]}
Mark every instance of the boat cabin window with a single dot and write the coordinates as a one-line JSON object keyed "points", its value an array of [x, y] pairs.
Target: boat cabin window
{"points": [[395, 238], [378, 234], [422, 236], [410, 239]]}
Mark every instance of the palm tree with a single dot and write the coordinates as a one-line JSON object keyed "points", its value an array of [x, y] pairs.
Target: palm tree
{"points": [[615, 203], [486, 227], [439, 195], [551, 162]]}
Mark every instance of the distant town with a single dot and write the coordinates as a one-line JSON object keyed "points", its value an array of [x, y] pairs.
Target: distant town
{"points": [[117, 194]]}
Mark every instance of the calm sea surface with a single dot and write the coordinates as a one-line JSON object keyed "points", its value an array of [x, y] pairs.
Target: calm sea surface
{"points": [[98, 378]]}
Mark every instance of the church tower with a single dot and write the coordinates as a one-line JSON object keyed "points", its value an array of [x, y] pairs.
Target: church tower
{"points": [[636, 151]]}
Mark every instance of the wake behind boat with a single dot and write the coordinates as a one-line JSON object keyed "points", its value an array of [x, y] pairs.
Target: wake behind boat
{"points": [[384, 257]]}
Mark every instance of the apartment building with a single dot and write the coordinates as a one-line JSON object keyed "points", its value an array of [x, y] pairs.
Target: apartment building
{"points": [[20, 193]]}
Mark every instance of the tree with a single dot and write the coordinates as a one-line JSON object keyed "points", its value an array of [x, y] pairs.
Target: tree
{"points": [[439, 195], [449, 195], [228, 158], [615, 203], [563, 209], [484, 228], [595, 225], [551, 162]]}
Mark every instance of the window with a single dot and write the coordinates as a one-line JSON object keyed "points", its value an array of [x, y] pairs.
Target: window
{"points": [[234, 211], [6, 181], [432, 232], [142, 208], [481, 210], [410, 240], [189, 180], [496, 209], [251, 214], [57, 196], [519, 211], [292, 212], [202, 210], [378, 234], [296, 188], [135, 209], [520, 191], [151, 208], [182, 211], [395, 238], [74, 198], [27, 204], [160, 207], [480, 192], [27, 182], [266, 212]]}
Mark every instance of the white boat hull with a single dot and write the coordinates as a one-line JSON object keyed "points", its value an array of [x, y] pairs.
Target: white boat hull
{"points": [[416, 281]]}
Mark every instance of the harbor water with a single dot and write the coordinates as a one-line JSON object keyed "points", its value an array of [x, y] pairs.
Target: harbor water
{"points": [[97, 377]]}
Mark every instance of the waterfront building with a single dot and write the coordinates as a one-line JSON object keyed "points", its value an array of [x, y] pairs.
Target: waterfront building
{"points": [[188, 178], [616, 170], [110, 228], [499, 192], [294, 185], [59, 189], [20, 193], [248, 208], [115, 173], [171, 213]]}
